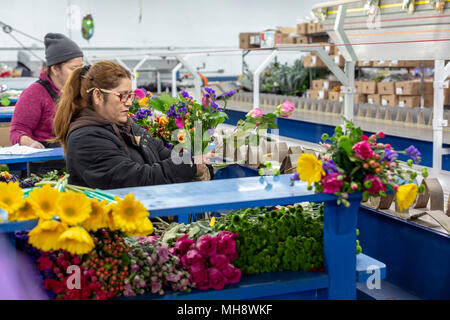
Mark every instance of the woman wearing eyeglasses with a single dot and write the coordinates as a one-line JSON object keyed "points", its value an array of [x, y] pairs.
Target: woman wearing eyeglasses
{"points": [[104, 148]]}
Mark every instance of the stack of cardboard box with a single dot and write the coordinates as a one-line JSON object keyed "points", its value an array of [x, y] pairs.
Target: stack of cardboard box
{"points": [[324, 90]]}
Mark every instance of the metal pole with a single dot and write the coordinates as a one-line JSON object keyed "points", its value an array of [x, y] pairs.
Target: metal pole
{"points": [[135, 69], [256, 75], [158, 82], [349, 90], [174, 78], [440, 74], [347, 51], [197, 79]]}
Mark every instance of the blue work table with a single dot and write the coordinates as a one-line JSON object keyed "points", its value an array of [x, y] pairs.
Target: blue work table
{"points": [[18, 160], [6, 117], [337, 282], [339, 231]]}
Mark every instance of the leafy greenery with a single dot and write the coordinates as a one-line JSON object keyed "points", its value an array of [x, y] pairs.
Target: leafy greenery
{"points": [[289, 238]]}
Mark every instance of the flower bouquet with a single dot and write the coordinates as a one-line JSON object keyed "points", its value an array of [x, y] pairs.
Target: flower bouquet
{"points": [[353, 162], [180, 122]]}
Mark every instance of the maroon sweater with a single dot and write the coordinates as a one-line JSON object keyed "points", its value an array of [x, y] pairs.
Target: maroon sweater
{"points": [[34, 113]]}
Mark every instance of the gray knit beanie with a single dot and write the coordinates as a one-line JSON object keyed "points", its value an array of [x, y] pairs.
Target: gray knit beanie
{"points": [[59, 48]]}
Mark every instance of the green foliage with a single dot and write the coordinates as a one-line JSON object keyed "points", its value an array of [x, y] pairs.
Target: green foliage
{"points": [[289, 238]]}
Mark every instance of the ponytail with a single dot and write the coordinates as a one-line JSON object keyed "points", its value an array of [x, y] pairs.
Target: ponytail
{"points": [[68, 105]]}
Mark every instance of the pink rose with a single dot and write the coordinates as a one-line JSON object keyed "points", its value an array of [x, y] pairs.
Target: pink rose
{"points": [[381, 134], [286, 109], [377, 185], [163, 254], [364, 137], [255, 113], [228, 234], [184, 244], [232, 274], [193, 257], [331, 184], [173, 277], [219, 261], [227, 246], [199, 276], [179, 123], [156, 286], [216, 279], [363, 150], [140, 93], [207, 245]]}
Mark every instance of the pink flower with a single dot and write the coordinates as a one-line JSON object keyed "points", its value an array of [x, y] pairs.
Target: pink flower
{"points": [[76, 261], [387, 146], [286, 109], [163, 254], [255, 113], [381, 134], [44, 263], [205, 102], [173, 277], [223, 234], [179, 123], [227, 246], [156, 286], [140, 93], [54, 285], [216, 279], [364, 137], [184, 244], [207, 245], [377, 185], [219, 261], [331, 184], [363, 150], [193, 257], [232, 274]]}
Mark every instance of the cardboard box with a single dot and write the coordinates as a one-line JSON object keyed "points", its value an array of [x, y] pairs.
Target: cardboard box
{"points": [[313, 62], [311, 28], [334, 96], [407, 88], [4, 134], [389, 100], [339, 60], [410, 63], [360, 98], [428, 88], [302, 40], [429, 101], [409, 101], [319, 27], [302, 28], [318, 94], [326, 46], [364, 64], [386, 88], [380, 63], [269, 38], [369, 87], [249, 40], [359, 86], [324, 84], [374, 98], [319, 39]]}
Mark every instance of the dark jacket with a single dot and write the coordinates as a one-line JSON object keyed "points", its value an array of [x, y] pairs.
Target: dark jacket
{"points": [[97, 158]]}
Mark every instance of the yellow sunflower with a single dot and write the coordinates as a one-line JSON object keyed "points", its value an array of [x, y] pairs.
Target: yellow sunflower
{"points": [[73, 208], [45, 199], [25, 211], [309, 168], [46, 234], [406, 195], [128, 213], [145, 228], [76, 240], [98, 218], [10, 196]]}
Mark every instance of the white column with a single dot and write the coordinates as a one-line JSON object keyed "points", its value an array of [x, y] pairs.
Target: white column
{"points": [[256, 75]]}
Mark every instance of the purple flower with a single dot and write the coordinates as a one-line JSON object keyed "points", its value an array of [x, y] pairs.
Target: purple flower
{"points": [[414, 153], [330, 167], [214, 105], [172, 112], [295, 177], [163, 254], [210, 91], [228, 94], [156, 286], [186, 95], [389, 155]]}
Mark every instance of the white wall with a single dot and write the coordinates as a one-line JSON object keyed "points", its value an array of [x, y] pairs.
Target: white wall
{"points": [[177, 23]]}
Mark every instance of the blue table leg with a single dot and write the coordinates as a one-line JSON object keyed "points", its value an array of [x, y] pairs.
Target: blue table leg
{"points": [[339, 239]]}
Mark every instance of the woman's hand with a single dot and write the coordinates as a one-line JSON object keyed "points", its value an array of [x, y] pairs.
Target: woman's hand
{"points": [[27, 141], [201, 161]]}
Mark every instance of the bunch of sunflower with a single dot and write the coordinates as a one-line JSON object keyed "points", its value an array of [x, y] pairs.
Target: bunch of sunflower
{"points": [[77, 214]]}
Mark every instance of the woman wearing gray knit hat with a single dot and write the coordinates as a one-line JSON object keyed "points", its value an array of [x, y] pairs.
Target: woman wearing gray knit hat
{"points": [[32, 121]]}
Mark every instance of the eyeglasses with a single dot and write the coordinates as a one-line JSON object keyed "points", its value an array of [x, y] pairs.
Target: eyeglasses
{"points": [[124, 97]]}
